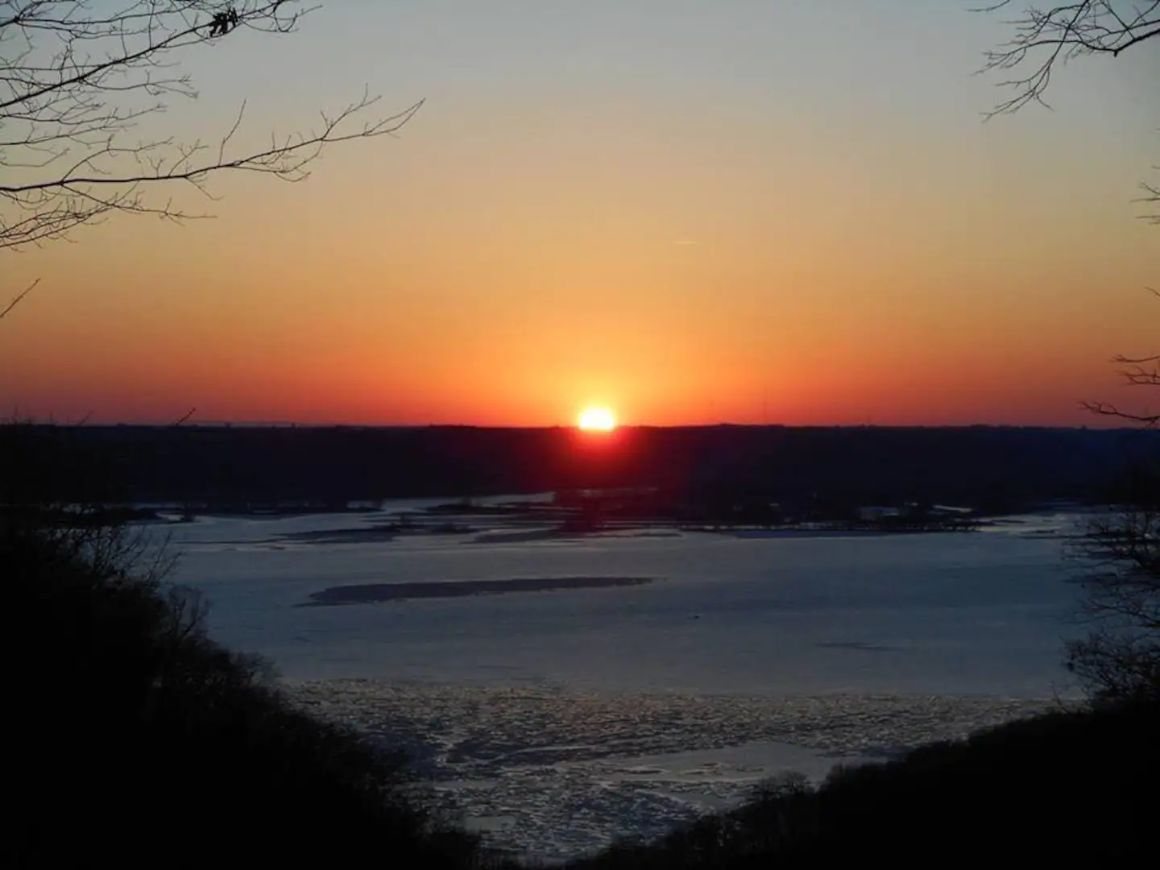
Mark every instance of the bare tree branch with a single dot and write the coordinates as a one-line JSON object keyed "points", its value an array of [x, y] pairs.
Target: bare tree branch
{"points": [[76, 76], [1136, 371], [17, 298], [1045, 36], [1107, 409], [1120, 657]]}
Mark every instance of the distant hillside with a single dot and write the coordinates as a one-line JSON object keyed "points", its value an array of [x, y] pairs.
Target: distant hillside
{"points": [[996, 467]]}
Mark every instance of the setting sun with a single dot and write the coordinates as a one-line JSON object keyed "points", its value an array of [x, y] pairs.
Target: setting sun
{"points": [[597, 419]]}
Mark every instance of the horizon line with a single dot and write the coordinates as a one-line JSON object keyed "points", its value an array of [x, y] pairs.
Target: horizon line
{"points": [[87, 423]]}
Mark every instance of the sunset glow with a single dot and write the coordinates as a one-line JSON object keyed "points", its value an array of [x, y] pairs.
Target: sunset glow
{"points": [[750, 267], [597, 419]]}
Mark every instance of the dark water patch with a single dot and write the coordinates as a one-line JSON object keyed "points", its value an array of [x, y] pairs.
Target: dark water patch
{"points": [[375, 534], [344, 536], [367, 593], [523, 536], [859, 646]]}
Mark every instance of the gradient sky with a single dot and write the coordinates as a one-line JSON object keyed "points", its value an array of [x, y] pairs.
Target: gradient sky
{"points": [[690, 211]]}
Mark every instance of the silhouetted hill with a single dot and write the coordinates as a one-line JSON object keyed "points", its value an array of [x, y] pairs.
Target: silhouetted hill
{"points": [[133, 740], [1062, 790], [991, 467]]}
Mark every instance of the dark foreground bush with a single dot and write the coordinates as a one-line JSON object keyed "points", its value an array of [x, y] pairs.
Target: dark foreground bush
{"points": [[132, 739], [1065, 790]]}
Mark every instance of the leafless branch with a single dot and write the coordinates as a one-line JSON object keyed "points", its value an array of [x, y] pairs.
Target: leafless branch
{"points": [[1151, 197], [1136, 371], [17, 298], [76, 76], [1046, 36], [1106, 409], [1120, 658]]}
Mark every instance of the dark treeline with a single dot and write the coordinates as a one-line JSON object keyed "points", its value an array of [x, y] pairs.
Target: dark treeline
{"points": [[133, 740], [997, 468], [1068, 789]]}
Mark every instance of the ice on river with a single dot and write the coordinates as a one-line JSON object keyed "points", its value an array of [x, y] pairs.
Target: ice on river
{"points": [[563, 714], [551, 774]]}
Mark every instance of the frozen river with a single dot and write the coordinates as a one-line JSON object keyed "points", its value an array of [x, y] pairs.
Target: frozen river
{"points": [[688, 666], [956, 613]]}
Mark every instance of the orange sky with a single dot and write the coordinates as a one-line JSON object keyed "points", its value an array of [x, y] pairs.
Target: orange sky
{"points": [[700, 221]]}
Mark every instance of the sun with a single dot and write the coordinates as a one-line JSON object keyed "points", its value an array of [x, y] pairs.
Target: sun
{"points": [[597, 419]]}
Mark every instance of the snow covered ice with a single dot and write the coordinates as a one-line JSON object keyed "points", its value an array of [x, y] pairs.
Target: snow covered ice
{"points": [[558, 717]]}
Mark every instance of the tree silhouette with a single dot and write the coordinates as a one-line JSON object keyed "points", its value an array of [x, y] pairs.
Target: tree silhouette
{"points": [[1120, 657], [77, 76], [1045, 36]]}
